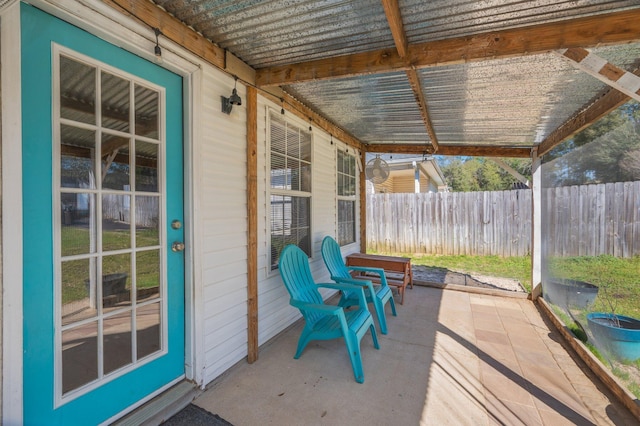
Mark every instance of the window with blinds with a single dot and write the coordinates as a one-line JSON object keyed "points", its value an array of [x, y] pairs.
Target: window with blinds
{"points": [[290, 182], [346, 167]]}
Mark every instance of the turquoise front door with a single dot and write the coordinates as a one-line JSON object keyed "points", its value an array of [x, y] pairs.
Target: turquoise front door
{"points": [[103, 210]]}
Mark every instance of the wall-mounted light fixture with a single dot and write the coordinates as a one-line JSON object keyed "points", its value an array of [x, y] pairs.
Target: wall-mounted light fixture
{"points": [[157, 49], [234, 99]]}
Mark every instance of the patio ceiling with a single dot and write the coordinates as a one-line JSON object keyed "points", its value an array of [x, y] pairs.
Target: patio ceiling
{"points": [[457, 77]]}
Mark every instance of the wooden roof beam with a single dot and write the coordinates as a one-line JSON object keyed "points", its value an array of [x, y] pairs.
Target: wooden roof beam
{"points": [[611, 75], [414, 81], [466, 150], [171, 28], [392, 11], [609, 101], [590, 31]]}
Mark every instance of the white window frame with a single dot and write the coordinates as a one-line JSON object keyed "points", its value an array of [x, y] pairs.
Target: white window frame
{"points": [[271, 191], [349, 197]]}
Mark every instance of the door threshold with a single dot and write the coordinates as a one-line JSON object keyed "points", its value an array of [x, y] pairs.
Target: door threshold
{"points": [[162, 407]]}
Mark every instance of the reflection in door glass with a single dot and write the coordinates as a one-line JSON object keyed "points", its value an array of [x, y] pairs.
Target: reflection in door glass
{"points": [[146, 112], [115, 162], [115, 102], [116, 281], [77, 91], [148, 329], [146, 166], [110, 283], [77, 210], [148, 275], [77, 157], [116, 223], [147, 221], [79, 356], [117, 341], [78, 291]]}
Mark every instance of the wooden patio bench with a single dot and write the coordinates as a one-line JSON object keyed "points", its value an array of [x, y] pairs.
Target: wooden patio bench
{"points": [[397, 269]]}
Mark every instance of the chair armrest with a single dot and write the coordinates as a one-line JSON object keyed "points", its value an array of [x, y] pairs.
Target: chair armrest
{"points": [[352, 281], [341, 286], [362, 283], [379, 271], [317, 307], [358, 289]]}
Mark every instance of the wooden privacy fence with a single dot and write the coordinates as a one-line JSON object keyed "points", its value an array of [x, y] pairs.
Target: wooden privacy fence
{"points": [[586, 220], [452, 223], [591, 220]]}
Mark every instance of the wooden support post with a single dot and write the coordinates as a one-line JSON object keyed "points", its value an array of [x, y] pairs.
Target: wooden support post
{"points": [[252, 224]]}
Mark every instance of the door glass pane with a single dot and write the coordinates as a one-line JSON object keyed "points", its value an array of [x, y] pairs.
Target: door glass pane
{"points": [[146, 166], [116, 281], [148, 329], [77, 148], [147, 221], [115, 162], [79, 356], [115, 102], [116, 228], [148, 275], [77, 217], [78, 290], [117, 341], [77, 91], [146, 112], [110, 230]]}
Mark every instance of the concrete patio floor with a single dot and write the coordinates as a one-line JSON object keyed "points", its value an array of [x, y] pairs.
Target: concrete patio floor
{"points": [[450, 358]]}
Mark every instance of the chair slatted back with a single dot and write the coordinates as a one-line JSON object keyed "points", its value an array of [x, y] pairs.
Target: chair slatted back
{"points": [[332, 257], [297, 278]]}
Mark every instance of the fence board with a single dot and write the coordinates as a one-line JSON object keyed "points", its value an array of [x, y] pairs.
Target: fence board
{"points": [[586, 220]]}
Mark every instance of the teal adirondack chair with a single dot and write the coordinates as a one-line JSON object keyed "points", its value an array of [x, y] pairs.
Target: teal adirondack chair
{"points": [[322, 321], [379, 295]]}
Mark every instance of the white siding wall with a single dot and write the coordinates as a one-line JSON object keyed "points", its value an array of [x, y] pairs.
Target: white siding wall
{"points": [[221, 224]]}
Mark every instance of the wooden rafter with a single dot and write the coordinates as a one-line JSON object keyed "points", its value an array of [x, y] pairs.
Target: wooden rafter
{"points": [[466, 150], [610, 74], [611, 100], [291, 105], [392, 10], [414, 81], [171, 28], [591, 31], [394, 17]]}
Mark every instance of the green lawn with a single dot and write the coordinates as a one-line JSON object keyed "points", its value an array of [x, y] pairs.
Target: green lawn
{"points": [[75, 240], [617, 277], [518, 268]]}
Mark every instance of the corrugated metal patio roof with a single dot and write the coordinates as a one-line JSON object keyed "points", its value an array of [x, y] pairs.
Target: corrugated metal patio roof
{"points": [[512, 101]]}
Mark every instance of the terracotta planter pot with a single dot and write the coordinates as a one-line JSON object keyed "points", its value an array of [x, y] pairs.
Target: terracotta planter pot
{"points": [[570, 293], [622, 342]]}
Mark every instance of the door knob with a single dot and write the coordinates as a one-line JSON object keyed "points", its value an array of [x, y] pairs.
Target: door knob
{"points": [[177, 246]]}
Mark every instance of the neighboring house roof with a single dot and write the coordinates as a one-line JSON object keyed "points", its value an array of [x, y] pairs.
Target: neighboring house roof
{"points": [[406, 167]]}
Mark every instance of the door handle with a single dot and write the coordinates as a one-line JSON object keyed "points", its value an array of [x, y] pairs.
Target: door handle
{"points": [[177, 246]]}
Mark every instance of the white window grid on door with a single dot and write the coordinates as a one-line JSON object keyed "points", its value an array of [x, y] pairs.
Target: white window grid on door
{"points": [[97, 192]]}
